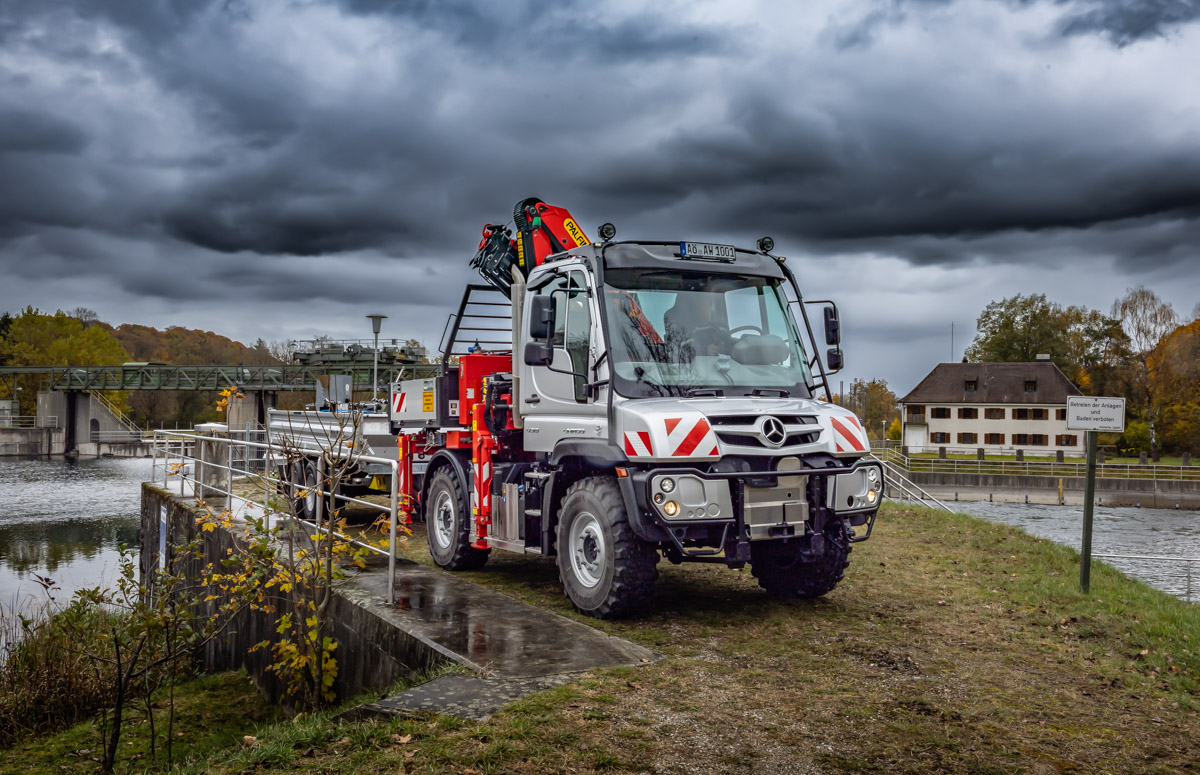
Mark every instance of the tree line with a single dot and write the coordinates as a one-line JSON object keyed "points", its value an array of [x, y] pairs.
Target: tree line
{"points": [[80, 338]]}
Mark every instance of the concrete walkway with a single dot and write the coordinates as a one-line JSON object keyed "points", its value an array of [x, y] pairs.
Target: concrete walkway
{"points": [[513, 648]]}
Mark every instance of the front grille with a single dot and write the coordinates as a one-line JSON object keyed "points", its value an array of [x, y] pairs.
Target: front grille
{"points": [[741, 430]]}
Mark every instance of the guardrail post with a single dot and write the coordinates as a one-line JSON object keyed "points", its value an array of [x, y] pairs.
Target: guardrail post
{"points": [[392, 519]]}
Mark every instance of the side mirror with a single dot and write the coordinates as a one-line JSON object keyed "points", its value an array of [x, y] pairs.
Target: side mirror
{"points": [[541, 318], [833, 327], [833, 358], [538, 354]]}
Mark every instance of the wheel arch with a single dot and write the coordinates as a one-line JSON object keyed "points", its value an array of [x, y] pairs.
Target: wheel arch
{"points": [[445, 458]]}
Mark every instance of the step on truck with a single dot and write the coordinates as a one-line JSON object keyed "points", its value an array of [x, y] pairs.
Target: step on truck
{"points": [[611, 403]]}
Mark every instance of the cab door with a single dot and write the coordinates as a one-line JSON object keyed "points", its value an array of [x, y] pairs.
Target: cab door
{"points": [[555, 403]]}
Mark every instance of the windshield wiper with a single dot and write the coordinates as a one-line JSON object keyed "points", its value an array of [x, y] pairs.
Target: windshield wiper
{"points": [[763, 392], [694, 392]]}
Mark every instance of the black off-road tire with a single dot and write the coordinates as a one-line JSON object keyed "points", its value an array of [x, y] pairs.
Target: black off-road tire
{"points": [[304, 479], [623, 568], [784, 574], [449, 535]]}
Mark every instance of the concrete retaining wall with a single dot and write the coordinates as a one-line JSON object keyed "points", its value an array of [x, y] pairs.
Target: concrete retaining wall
{"points": [[372, 654], [31, 441]]}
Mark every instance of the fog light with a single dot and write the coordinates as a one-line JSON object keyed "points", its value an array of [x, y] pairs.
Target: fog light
{"points": [[667, 485], [871, 496], [671, 508], [658, 497]]}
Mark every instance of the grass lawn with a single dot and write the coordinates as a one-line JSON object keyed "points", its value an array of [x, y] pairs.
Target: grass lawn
{"points": [[953, 646]]}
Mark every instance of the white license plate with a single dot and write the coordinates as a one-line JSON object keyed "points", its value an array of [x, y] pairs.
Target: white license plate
{"points": [[707, 250]]}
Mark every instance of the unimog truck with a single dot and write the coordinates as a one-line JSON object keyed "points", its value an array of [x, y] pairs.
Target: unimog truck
{"points": [[611, 403]]}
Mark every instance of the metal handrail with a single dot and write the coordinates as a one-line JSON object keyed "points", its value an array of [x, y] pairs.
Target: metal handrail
{"points": [[1040, 468], [908, 488], [164, 440], [116, 413], [28, 421]]}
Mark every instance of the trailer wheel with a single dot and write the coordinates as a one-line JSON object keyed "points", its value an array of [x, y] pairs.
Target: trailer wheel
{"points": [[306, 484], [785, 574], [448, 524], [606, 570]]}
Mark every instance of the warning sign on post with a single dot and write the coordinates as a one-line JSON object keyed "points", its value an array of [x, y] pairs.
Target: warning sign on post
{"points": [[1087, 413]]}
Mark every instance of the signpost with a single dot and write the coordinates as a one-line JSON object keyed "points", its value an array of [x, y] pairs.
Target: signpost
{"points": [[1087, 413]]}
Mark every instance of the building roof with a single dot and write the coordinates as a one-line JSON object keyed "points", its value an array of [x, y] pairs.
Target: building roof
{"points": [[995, 383]]}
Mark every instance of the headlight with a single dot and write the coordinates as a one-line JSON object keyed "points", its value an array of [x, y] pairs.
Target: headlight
{"points": [[671, 508], [871, 496], [873, 474], [667, 485]]}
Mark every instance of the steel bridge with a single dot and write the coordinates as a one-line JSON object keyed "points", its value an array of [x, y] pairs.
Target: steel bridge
{"points": [[211, 378]]}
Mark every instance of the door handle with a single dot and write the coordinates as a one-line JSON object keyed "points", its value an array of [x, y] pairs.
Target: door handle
{"points": [[532, 398]]}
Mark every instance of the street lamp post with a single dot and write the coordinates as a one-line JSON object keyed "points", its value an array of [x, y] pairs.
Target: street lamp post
{"points": [[376, 322]]}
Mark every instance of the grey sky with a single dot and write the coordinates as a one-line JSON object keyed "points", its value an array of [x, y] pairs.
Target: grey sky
{"points": [[278, 169]]}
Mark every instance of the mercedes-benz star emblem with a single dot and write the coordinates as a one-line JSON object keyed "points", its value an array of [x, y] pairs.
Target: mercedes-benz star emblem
{"points": [[772, 431]]}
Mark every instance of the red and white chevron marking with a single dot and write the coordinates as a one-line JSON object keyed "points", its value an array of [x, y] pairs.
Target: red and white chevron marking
{"points": [[690, 438], [481, 494], [398, 402], [846, 432], [637, 444]]}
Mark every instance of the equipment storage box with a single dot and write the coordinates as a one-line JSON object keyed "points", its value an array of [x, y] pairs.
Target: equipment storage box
{"points": [[414, 402]]}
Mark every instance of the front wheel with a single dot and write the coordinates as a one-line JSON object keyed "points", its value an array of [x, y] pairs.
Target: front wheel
{"points": [[606, 570], [448, 524], [787, 572]]}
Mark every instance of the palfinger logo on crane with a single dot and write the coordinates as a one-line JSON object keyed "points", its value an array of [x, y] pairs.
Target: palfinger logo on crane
{"points": [[398, 402], [846, 434], [576, 233]]}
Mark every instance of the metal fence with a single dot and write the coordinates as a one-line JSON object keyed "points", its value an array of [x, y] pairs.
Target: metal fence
{"points": [[1036, 468], [28, 421], [200, 464]]}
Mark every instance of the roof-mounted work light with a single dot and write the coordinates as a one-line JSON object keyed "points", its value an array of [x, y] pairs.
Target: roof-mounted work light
{"points": [[607, 231], [765, 244]]}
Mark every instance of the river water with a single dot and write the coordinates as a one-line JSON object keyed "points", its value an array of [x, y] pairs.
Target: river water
{"points": [[65, 519], [1158, 532]]}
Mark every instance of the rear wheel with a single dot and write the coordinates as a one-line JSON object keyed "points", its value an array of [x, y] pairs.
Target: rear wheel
{"points": [[448, 525], [606, 570], [787, 573], [303, 490]]}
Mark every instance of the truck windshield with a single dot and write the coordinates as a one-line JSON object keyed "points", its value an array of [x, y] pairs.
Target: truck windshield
{"points": [[688, 334]]}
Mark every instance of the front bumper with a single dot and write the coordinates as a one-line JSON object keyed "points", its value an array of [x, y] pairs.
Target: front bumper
{"points": [[753, 506]]}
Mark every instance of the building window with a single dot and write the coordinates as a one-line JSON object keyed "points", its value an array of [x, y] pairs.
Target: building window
{"points": [[1039, 440], [993, 438], [1040, 414], [940, 438], [940, 413], [968, 438], [1031, 386], [1020, 414], [1060, 414], [994, 414], [968, 414], [972, 385], [1066, 440], [1020, 438], [916, 413]]}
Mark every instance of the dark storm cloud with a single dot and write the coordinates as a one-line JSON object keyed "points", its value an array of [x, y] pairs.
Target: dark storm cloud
{"points": [[169, 125]]}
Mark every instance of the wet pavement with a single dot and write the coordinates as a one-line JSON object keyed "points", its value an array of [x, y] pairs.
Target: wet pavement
{"points": [[488, 631]]}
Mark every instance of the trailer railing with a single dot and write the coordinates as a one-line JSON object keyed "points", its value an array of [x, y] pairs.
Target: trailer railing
{"points": [[183, 463]]}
